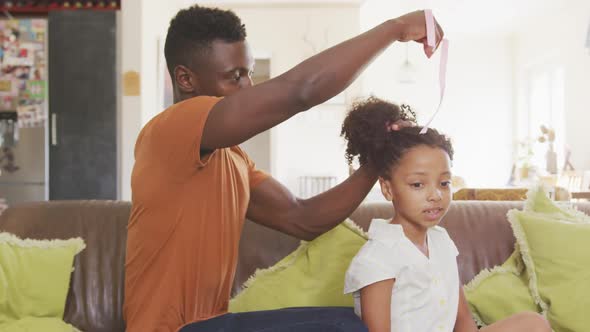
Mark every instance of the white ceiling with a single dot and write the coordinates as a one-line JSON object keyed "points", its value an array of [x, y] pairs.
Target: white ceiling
{"points": [[268, 2], [496, 16], [472, 16], [465, 16]]}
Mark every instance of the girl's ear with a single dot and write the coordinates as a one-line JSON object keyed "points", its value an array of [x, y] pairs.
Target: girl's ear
{"points": [[386, 188]]}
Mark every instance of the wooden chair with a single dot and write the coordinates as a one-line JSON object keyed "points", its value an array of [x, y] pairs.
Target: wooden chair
{"points": [[577, 183]]}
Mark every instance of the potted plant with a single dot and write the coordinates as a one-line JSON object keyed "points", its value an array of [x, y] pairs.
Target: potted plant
{"points": [[524, 158]]}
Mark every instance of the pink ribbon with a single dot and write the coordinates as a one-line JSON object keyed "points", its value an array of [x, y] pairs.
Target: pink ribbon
{"points": [[442, 76]]}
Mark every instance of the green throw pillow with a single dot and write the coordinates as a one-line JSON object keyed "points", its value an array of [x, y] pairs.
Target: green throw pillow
{"points": [[313, 275], [30, 324], [500, 292], [504, 290], [555, 253], [34, 278], [538, 201]]}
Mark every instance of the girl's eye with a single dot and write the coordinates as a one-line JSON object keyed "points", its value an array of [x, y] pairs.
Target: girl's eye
{"points": [[416, 185], [446, 183]]}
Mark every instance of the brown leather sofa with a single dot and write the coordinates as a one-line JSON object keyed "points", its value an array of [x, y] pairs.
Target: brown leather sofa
{"points": [[95, 299]]}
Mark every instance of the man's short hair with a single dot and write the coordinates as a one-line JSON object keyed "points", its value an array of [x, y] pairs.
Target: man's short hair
{"points": [[193, 30]]}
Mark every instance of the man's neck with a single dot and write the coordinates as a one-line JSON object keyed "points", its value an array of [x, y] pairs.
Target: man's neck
{"points": [[178, 97]]}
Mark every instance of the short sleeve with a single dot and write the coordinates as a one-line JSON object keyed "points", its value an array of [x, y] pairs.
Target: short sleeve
{"points": [[177, 132], [255, 175], [373, 263]]}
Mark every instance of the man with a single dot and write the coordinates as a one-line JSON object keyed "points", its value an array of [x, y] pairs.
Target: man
{"points": [[192, 187]]}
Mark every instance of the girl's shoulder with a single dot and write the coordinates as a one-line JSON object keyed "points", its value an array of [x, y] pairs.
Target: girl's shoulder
{"points": [[375, 261], [442, 239], [382, 231], [383, 251]]}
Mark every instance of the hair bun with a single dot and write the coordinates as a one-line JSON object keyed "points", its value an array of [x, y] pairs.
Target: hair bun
{"points": [[367, 128]]}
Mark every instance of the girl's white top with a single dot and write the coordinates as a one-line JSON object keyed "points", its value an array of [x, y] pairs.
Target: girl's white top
{"points": [[425, 294]]}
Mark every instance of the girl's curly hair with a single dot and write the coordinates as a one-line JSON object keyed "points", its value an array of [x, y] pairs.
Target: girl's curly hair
{"points": [[366, 130]]}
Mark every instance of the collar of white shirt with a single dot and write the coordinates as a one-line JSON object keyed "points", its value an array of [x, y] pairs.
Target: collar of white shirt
{"points": [[383, 230]]}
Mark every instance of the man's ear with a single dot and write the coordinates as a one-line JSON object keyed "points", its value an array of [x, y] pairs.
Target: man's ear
{"points": [[186, 81], [386, 189]]}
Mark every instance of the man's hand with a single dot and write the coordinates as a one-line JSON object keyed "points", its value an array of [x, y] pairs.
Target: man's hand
{"points": [[413, 28]]}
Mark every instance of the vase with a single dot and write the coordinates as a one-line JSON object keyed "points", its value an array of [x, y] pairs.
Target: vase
{"points": [[551, 160]]}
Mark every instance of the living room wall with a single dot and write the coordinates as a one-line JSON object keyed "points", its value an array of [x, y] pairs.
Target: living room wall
{"points": [[560, 39], [130, 107], [143, 24]]}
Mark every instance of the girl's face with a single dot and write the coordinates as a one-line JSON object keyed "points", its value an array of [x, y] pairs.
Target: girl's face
{"points": [[419, 187]]}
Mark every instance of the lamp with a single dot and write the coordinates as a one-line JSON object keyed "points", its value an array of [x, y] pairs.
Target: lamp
{"points": [[407, 71]]}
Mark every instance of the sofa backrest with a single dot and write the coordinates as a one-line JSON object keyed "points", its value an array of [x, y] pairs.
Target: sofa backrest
{"points": [[480, 230], [95, 300]]}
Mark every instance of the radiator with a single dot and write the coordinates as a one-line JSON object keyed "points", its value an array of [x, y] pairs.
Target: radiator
{"points": [[310, 186]]}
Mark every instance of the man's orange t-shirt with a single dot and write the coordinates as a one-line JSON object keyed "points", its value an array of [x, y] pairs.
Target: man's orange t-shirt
{"points": [[186, 220]]}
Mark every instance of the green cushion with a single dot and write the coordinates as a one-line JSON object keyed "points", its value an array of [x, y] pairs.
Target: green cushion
{"points": [[538, 201], [31, 324], [504, 290], [500, 292], [34, 277], [313, 275], [555, 253]]}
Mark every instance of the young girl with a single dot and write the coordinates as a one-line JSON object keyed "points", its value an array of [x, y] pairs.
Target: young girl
{"points": [[405, 278]]}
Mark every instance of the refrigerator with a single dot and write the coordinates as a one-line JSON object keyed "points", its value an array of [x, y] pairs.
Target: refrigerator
{"points": [[23, 110]]}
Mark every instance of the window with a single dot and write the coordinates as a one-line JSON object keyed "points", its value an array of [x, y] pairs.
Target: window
{"points": [[544, 105]]}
